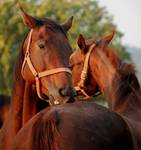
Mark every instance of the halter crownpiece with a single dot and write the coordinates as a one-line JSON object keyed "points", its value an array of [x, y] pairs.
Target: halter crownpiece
{"points": [[83, 76], [37, 74]]}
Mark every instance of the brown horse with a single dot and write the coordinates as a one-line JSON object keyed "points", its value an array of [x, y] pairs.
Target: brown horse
{"points": [[80, 125], [4, 107], [74, 126], [115, 79], [41, 71]]}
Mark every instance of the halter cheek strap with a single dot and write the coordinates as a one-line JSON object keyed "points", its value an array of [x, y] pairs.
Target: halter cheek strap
{"points": [[80, 85], [37, 74]]}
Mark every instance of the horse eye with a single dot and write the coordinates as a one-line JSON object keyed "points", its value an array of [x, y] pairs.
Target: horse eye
{"points": [[41, 45]]}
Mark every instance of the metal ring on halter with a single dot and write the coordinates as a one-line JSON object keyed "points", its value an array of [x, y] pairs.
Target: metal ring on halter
{"points": [[37, 74]]}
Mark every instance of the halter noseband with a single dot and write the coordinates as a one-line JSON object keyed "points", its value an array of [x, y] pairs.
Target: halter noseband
{"points": [[37, 74], [83, 76]]}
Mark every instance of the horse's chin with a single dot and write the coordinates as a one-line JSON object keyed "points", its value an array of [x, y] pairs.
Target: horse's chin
{"points": [[50, 99], [53, 101], [59, 100]]}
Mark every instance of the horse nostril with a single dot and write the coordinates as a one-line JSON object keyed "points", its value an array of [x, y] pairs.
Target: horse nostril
{"points": [[63, 92]]}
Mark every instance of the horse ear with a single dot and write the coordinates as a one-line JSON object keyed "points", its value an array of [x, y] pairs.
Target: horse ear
{"points": [[81, 43], [28, 20], [108, 38], [67, 25], [104, 42]]}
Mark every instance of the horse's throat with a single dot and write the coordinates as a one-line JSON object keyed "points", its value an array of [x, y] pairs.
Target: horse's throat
{"points": [[32, 104]]}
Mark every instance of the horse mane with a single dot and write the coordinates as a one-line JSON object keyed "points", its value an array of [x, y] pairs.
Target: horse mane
{"points": [[125, 85], [18, 65], [125, 70], [12, 123], [124, 90], [17, 70], [125, 80], [128, 73]]}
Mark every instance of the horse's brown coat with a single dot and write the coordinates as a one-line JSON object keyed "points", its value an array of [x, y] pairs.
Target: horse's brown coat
{"points": [[80, 125], [46, 55], [118, 82]]}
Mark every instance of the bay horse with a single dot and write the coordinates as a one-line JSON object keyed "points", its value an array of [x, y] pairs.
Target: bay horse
{"points": [[4, 107], [82, 124], [115, 79], [74, 126], [42, 76]]}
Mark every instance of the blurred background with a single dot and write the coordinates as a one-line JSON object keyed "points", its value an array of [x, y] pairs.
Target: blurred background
{"points": [[92, 18]]}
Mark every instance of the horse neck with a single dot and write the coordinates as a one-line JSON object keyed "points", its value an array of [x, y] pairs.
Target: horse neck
{"points": [[13, 122], [121, 96], [30, 100], [23, 106], [102, 71], [31, 103], [125, 97]]}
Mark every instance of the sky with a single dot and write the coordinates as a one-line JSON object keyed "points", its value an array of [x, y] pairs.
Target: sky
{"points": [[127, 17]]}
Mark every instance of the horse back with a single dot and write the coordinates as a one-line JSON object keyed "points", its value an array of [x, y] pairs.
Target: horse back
{"points": [[80, 125]]}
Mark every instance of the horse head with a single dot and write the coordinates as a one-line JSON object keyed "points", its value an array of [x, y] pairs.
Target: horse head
{"points": [[46, 53], [80, 63]]}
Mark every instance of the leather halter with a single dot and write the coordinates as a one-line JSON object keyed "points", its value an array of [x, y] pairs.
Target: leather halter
{"points": [[37, 74], [81, 83]]}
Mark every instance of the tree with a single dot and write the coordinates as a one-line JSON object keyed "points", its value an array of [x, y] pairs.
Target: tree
{"points": [[90, 19]]}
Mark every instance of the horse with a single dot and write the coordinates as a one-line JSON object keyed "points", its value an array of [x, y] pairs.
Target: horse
{"points": [[82, 124], [4, 107], [115, 79], [42, 74], [74, 126]]}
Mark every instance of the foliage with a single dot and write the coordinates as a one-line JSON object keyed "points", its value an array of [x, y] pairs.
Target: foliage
{"points": [[89, 18]]}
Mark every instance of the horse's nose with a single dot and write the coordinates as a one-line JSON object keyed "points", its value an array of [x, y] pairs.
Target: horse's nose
{"points": [[67, 91]]}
